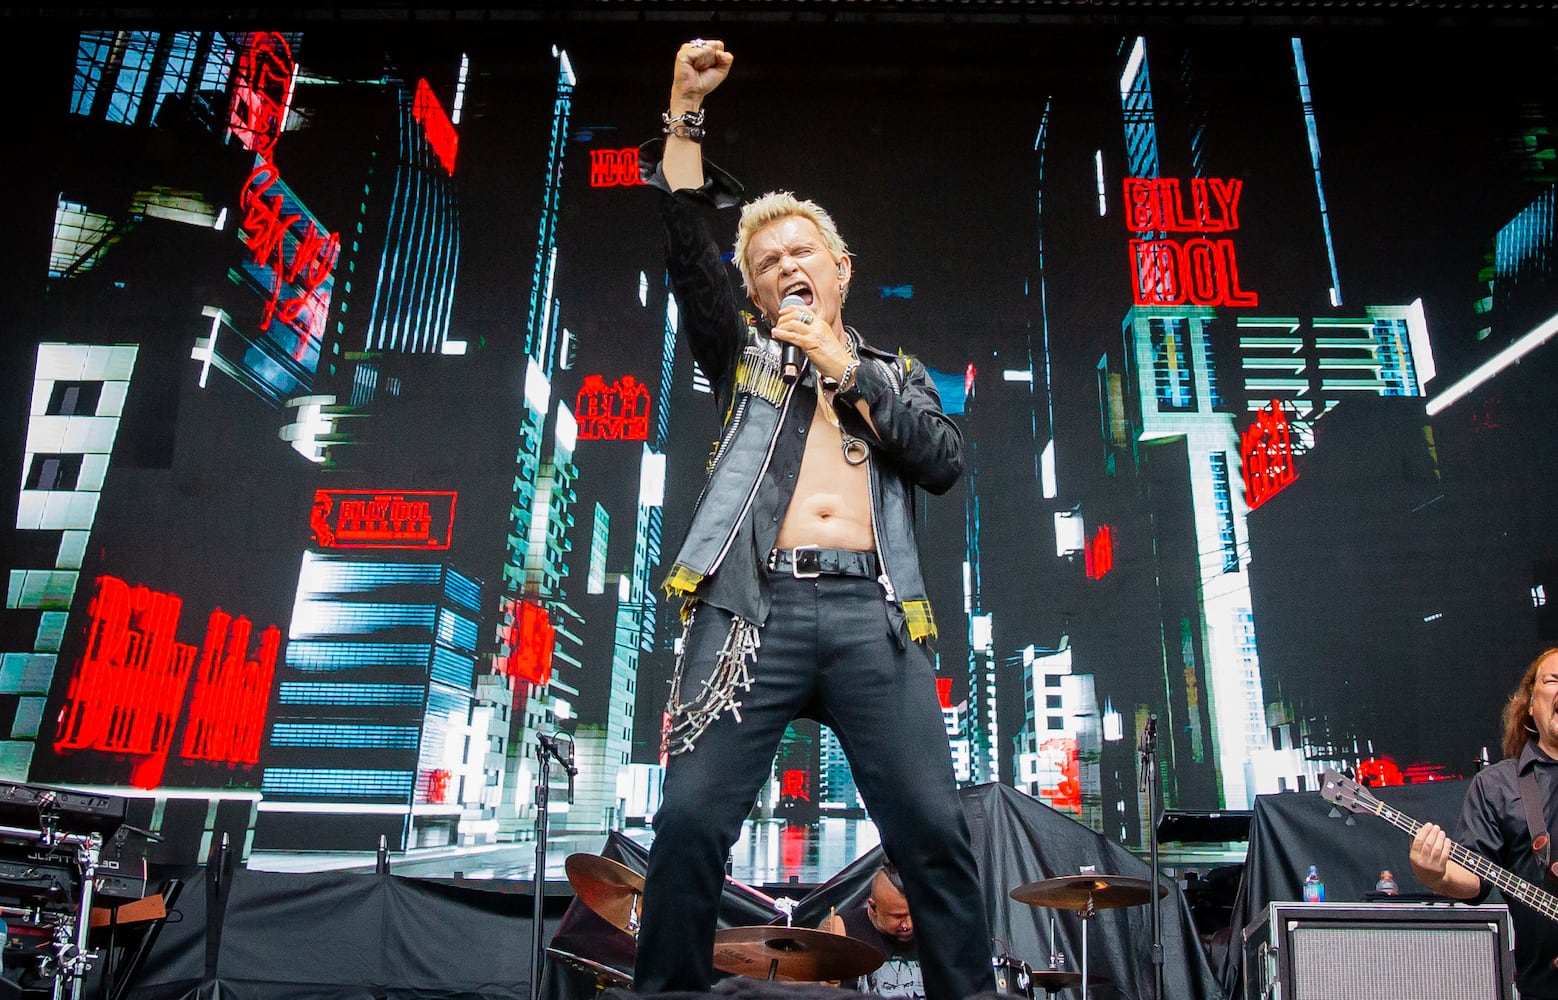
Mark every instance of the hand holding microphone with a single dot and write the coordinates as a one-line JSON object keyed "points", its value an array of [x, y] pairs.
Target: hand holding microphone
{"points": [[790, 366]]}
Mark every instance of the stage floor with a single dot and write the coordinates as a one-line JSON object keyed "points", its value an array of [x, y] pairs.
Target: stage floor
{"points": [[769, 853]]}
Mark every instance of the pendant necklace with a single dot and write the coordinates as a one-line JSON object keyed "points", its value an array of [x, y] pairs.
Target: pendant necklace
{"points": [[855, 450]]}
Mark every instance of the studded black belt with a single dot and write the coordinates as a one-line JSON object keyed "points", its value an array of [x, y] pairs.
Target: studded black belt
{"points": [[809, 561]]}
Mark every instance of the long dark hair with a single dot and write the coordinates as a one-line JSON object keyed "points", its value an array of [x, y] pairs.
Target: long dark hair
{"points": [[1517, 711]]}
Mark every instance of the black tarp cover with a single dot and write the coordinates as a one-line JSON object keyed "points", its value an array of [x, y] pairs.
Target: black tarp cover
{"points": [[1017, 840], [345, 936], [1290, 831], [340, 936]]}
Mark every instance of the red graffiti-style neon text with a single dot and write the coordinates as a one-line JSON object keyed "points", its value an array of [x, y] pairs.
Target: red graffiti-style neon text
{"points": [[1267, 452]]}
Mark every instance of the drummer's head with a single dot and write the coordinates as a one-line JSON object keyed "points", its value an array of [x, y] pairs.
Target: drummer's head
{"points": [[887, 905]]}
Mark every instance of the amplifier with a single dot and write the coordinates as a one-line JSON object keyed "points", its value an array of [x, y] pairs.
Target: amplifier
{"points": [[1378, 951]]}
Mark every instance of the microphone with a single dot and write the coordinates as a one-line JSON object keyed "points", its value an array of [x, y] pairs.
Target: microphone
{"points": [[790, 369], [568, 765]]}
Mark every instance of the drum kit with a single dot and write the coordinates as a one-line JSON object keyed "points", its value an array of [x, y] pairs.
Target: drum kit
{"points": [[798, 954], [1086, 894]]}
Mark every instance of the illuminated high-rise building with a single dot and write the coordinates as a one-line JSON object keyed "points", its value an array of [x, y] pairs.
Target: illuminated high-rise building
{"points": [[1182, 408], [78, 400], [371, 732], [982, 721], [637, 602], [836, 789], [1057, 751], [539, 517], [1310, 364], [124, 81]]}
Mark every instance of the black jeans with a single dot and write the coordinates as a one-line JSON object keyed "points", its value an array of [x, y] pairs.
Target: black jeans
{"points": [[827, 651]]}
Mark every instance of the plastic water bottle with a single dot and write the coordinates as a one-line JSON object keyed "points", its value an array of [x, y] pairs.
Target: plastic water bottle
{"points": [[1314, 889], [1387, 884]]}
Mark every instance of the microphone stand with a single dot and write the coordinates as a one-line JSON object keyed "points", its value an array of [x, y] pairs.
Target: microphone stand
{"points": [[1149, 776], [558, 747]]}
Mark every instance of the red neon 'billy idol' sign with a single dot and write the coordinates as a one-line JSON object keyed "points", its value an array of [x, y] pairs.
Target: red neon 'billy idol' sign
{"points": [[1200, 271], [129, 688], [1267, 451], [347, 519]]}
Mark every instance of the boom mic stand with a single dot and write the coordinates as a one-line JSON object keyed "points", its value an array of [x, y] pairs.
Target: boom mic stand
{"points": [[558, 747], [1149, 777]]}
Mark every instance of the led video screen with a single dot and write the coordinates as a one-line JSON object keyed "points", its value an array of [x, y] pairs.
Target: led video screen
{"points": [[349, 437]]}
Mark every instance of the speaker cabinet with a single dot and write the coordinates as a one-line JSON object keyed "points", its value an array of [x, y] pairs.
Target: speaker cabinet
{"points": [[1378, 951]]}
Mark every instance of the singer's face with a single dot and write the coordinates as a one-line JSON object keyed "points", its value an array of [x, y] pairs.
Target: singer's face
{"points": [[1544, 702], [790, 257]]}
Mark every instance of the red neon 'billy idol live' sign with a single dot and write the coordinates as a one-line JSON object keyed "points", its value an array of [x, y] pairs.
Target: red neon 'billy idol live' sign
{"points": [[615, 412], [413, 519], [1201, 271]]}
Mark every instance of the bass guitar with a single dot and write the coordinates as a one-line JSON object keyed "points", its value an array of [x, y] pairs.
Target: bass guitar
{"points": [[1350, 795]]}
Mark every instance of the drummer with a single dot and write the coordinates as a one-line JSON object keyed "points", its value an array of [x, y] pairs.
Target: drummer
{"points": [[883, 921]]}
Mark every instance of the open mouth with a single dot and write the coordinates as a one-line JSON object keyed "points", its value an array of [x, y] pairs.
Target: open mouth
{"points": [[802, 290]]}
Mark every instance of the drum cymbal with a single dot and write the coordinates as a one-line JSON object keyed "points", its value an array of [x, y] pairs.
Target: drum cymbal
{"points": [[1053, 980], [1075, 892], [611, 889], [798, 954], [605, 976]]}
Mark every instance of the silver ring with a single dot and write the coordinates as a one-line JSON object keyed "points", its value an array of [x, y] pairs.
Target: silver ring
{"points": [[698, 43], [808, 318]]}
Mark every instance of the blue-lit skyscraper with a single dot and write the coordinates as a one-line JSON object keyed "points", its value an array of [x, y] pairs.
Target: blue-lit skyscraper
{"points": [[78, 401], [368, 734], [540, 520]]}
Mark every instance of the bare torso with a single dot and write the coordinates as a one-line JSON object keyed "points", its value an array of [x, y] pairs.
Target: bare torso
{"points": [[832, 502]]}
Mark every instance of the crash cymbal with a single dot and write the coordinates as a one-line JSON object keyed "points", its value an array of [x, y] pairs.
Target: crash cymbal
{"points": [[1053, 980], [611, 889], [605, 976], [1074, 892], [797, 954]]}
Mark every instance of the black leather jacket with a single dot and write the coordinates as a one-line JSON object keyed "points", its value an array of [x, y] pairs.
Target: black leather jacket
{"points": [[914, 443]]}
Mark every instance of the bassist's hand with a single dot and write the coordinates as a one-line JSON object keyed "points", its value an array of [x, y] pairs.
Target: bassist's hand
{"points": [[1432, 863], [1430, 855]]}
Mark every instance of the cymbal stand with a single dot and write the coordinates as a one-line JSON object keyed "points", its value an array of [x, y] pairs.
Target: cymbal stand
{"points": [[1149, 775], [558, 747], [1057, 961], [1086, 913]]}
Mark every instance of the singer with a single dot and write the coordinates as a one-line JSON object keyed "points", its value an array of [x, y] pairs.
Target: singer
{"points": [[799, 571]]}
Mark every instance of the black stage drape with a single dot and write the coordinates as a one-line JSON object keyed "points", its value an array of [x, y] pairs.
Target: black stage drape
{"points": [[1293, 830], [340, 936], [350, 935], [1017, 840]]}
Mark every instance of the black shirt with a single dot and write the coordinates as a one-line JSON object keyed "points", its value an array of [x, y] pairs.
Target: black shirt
{"points": [[1493, 824]]}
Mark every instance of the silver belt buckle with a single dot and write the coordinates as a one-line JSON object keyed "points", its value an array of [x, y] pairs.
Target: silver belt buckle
{"points": [[795, 562]]}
